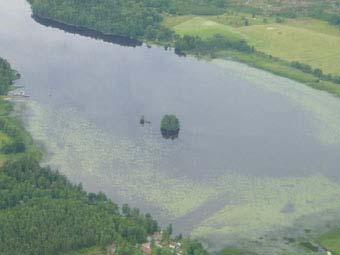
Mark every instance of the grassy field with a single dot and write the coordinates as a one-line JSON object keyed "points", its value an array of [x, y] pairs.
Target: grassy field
{"points": [[314, 25], [310, 41], [235, 19], [331, 241], [292, 43], [171, 21], [205, 28]]}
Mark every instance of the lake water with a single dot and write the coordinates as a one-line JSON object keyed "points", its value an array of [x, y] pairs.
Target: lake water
{"points": [[256, 153]]}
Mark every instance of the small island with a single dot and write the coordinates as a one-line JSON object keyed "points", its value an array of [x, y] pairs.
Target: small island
{"points": [[170, 126]]}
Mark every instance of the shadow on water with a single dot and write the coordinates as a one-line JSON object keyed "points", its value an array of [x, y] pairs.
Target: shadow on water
{"points": [[120, 40], [167, 134]]}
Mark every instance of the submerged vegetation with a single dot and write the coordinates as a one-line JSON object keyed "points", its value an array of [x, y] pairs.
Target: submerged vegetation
{"points": [[170, 126], [42, 212]]}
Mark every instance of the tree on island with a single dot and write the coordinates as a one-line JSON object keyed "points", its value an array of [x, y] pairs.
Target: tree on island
{"points": [[170, 126]]}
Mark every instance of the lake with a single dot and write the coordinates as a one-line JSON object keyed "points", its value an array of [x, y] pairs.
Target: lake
{"points": [[257, 155]]}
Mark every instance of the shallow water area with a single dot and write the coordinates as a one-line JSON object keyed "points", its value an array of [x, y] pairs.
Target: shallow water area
{"points": [[255, 153]]}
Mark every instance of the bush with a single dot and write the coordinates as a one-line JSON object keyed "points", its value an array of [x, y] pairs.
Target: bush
{"points": [[170, 126], [210, 45]]}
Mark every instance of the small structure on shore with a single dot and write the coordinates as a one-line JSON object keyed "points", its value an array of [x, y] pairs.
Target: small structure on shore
{"points": [[170, 126]]}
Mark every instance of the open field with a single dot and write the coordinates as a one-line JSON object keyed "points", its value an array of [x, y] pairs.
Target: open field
{"points": [[235, 19], [331, 241], [314, 25], [285, 7], [171, 21], [291, 43], [205, 28], [310, 41]]}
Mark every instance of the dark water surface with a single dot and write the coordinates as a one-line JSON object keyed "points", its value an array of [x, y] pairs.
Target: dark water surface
{"points": [[227, 124]]}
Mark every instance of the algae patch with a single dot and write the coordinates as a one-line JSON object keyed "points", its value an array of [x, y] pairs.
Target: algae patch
{"points": [[321, 107], [125, 167]]}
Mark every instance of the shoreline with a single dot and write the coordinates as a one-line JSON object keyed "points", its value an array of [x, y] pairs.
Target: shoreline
{"points": [[87, 32], [256, 60]]}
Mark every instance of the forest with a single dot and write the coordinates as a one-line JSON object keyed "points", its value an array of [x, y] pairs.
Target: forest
{"points": [[43, 213], [7, 76], [130, 18]]}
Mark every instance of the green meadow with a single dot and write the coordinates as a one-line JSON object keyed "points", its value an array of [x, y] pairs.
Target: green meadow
{"points": [[205, 28], [309, 41], [331, 241], [293, 43]]}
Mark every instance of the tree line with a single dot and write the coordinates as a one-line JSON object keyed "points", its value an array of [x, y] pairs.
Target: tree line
{"points": [[212, 44], [316, 72], [7, 76]]}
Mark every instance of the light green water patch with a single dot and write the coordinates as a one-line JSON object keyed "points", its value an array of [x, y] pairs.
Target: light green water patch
{"points": [[130, 170], [321, 106], [81, 150], [264, 205], [261, 203]]}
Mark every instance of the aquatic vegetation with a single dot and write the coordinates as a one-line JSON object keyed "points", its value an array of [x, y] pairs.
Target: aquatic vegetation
{"points": [[130, 170], [319, 107], [123, 167]]}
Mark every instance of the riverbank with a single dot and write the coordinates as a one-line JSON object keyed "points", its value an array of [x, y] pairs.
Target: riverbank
{"points": [[83, 31], [15, 141]]}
